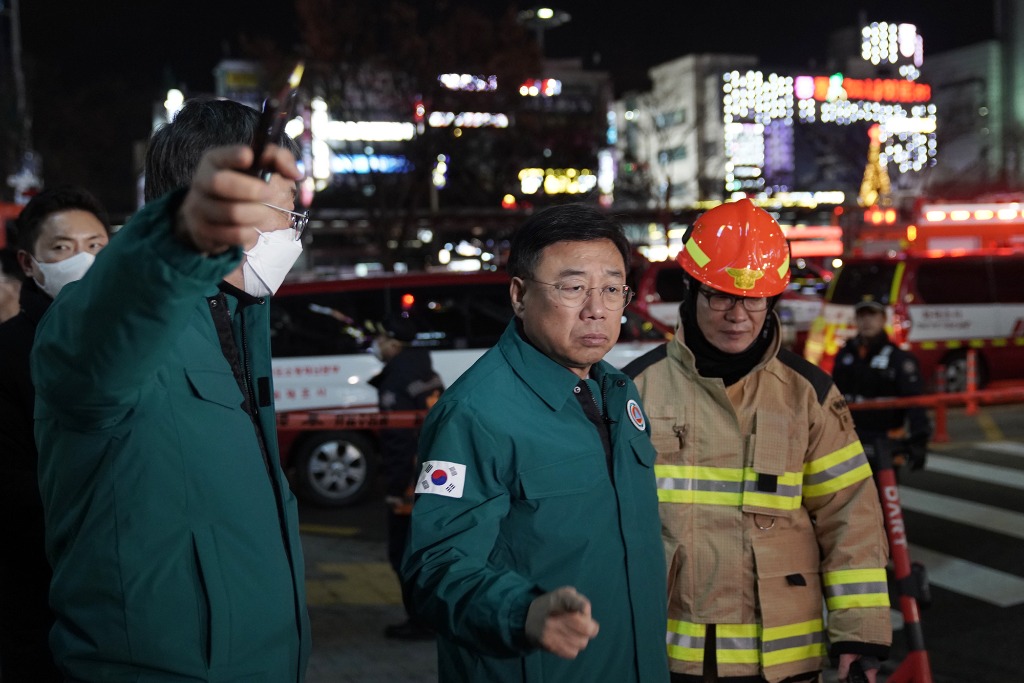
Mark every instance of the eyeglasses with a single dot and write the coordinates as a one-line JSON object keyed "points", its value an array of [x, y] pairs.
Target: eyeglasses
{"points": [[575, 294], [718, 301], [299, 220]]}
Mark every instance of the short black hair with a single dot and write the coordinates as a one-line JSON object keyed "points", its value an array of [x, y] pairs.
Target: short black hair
{"points": [[9, 266], [562, 223], [55, 200], [202, 123], [398, 326]]}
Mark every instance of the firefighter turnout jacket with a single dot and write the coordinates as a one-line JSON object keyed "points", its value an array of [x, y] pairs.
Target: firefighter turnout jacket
{"points": [[767, 504]]}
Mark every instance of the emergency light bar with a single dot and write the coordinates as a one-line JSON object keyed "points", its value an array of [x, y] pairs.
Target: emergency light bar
{"points": [[958, 214]]}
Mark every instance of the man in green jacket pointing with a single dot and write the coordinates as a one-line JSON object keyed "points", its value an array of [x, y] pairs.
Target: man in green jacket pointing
{"points": [[535, 547], [169, 524]]}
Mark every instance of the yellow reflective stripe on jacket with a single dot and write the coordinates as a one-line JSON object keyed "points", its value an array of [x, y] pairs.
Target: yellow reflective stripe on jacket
{"points": [[685, 640], [748, 643], [793, 643], [734, 643], [847, 588], [725, 486], [836, 471]]}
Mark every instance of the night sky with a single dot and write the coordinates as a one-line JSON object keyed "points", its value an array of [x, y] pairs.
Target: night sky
{"points": [[96, 68]]}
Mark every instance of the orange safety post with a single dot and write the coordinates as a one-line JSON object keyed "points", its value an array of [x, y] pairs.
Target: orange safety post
{"points": [[972, 381], [916, 668], [940, 379], [941, 435]]}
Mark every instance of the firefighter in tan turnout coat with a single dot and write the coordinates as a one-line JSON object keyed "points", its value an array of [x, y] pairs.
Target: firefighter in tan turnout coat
{"points": [[766, 498]]}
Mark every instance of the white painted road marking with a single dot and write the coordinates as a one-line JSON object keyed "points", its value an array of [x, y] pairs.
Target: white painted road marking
{"points": [[1005, 447], [970, 579], [952, 509], [990, 474]]}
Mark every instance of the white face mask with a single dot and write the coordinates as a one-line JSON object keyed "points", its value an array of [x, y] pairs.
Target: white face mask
{"points": [[58, 274], [268, 262]]}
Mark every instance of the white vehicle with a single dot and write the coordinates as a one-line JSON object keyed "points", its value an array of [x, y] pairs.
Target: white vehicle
{"points": [[321, 339], [937, 307]]}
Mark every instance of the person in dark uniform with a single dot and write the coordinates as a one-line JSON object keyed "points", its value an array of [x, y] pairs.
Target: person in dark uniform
{"points": [[10, 283], [407, 382], [871, 366], [59, 234]]}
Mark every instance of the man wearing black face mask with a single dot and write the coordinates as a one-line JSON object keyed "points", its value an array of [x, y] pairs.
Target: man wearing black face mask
{"points": [[767, 500]]}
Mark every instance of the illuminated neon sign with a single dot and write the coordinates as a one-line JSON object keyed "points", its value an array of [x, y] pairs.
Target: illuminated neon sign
{"points": [[831, 88], [541, 87]]}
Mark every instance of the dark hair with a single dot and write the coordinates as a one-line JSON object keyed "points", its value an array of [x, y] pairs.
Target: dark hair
{"points": [[563, 223], [202, 123], [9, 266], [398, 326], [48, 202]]}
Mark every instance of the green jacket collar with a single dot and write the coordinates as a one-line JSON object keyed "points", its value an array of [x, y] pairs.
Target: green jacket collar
{"points": [[552, 382]]}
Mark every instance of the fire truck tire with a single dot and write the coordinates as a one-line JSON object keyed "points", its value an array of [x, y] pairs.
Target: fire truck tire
{"points": [[955, 371], [334, 469]]}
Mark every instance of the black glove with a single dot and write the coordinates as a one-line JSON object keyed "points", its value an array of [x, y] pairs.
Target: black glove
{"points": [[858, 668], [917, 451]]}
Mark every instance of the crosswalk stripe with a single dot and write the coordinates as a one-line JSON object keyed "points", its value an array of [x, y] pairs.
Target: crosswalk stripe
{"points": [[970, 579], [990, 474], [1005, 447], [962, 511]]}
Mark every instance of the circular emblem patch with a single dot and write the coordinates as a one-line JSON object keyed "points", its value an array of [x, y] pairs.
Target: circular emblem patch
{"points": [[438, 477], [636, 416]]}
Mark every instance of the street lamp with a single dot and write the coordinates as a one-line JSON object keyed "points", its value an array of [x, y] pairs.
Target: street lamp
{"points": [[541, 19]]}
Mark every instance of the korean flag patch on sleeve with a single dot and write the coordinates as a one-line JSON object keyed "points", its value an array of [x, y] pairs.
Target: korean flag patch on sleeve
{"points": [[442, 478]]}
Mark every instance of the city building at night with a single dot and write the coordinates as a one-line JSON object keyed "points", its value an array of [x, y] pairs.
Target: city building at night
{"points": [[715, 127]]}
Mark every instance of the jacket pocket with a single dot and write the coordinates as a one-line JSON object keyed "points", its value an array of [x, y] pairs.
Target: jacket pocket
{"points": [[215, 386], [212, 593], [563, 478], [643, 449], [789, 598], [773, 483], [672, 433]]}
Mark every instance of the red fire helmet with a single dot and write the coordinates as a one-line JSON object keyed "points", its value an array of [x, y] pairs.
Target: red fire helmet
{"points": [[739, 249]]}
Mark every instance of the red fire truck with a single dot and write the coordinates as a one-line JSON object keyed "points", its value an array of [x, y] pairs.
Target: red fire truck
{"points": [[951, 280]]}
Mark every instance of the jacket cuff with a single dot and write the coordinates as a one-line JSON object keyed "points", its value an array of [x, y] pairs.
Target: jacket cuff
{"points": [[180, 256], [855, 648], [518, 608]]}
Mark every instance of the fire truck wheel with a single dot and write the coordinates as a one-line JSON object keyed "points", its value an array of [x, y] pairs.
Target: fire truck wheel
{"points": [[955, 372], [334, 469]]}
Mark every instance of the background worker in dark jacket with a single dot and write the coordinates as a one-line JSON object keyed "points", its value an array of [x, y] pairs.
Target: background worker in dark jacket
{"points": [[870, 366], [59, 234], [169, 524], [407, 382], [10, 283]]}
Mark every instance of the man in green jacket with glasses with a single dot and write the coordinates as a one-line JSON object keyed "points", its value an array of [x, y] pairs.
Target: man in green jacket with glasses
{"points": [[535, 548]]}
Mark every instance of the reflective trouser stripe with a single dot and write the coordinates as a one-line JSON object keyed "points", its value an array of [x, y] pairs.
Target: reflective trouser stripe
{"points": [[848, 588], [748, 643], [836, 471]]}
